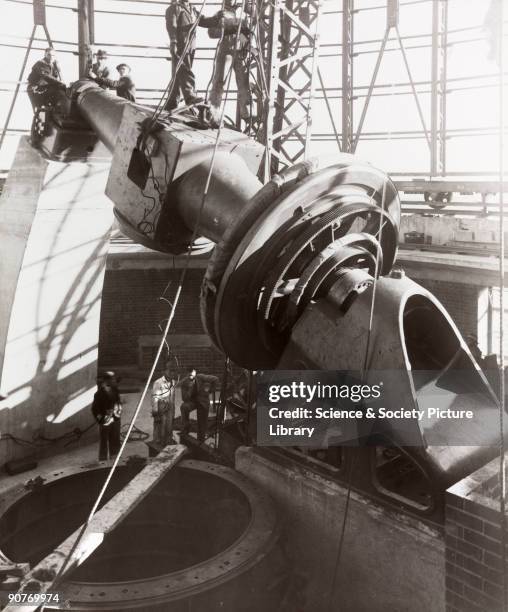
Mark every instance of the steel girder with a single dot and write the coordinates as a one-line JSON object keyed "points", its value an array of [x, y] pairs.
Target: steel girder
{"points": [[285, 79]]}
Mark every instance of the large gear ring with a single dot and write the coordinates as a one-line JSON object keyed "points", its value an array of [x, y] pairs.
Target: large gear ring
{"points": [[247, 304]]}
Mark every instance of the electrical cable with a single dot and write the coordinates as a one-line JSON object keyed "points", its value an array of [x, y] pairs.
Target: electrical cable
{"points": [[73, 436]]}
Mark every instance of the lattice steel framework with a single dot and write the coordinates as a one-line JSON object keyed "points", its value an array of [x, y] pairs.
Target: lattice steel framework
{"points": [[288, 51]]}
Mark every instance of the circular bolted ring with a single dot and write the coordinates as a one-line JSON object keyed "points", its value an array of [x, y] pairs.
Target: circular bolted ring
{"points": [[234, 321]]}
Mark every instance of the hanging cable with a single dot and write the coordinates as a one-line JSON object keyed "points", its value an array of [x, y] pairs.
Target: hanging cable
{"points": [[362, 376], [351, 466]]}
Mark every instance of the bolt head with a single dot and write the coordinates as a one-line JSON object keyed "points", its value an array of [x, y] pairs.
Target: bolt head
{"points": [[397, 273]]}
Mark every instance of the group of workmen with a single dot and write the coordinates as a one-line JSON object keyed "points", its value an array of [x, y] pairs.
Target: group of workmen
{"points": [[195, 391], [45, 78], [231, 26]]}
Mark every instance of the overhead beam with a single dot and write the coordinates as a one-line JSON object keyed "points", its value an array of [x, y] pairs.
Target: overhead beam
{"points": [[41, 578]]}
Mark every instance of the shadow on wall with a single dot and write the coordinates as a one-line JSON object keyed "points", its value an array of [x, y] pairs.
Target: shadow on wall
{"points": [[50, 364]]}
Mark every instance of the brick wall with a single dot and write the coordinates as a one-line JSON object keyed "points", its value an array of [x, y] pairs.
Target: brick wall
{"points": [[460, 300], [474, 579], [205, 359], [131, 307]]}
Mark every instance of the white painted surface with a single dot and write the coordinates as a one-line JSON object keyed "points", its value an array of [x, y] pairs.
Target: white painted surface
{"points": [[50, 362]]}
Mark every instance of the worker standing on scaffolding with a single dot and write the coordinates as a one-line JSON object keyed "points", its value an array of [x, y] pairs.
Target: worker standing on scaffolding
{"points": [[44, 80], [231, 37], [181, 18]]}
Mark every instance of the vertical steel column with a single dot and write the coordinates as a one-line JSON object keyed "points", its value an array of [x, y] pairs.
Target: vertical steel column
{"points": [[91, 21], [434, 88], [443, 85], [347, 75], [438, 87], [84, 48]]}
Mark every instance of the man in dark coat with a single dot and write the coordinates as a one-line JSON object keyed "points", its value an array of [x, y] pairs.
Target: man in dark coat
{"points": [[100, 68], [196, 390], [180, 19], [124, 86], [44, 80], [107, 410]]}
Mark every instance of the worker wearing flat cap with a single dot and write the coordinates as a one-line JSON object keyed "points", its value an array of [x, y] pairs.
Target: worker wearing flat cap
{"points": [[124, 86], [181, 17], [107, 410]]}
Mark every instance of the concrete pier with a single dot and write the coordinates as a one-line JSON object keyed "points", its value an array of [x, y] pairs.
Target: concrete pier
{"points": [[54, 231], [389, 560]]}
